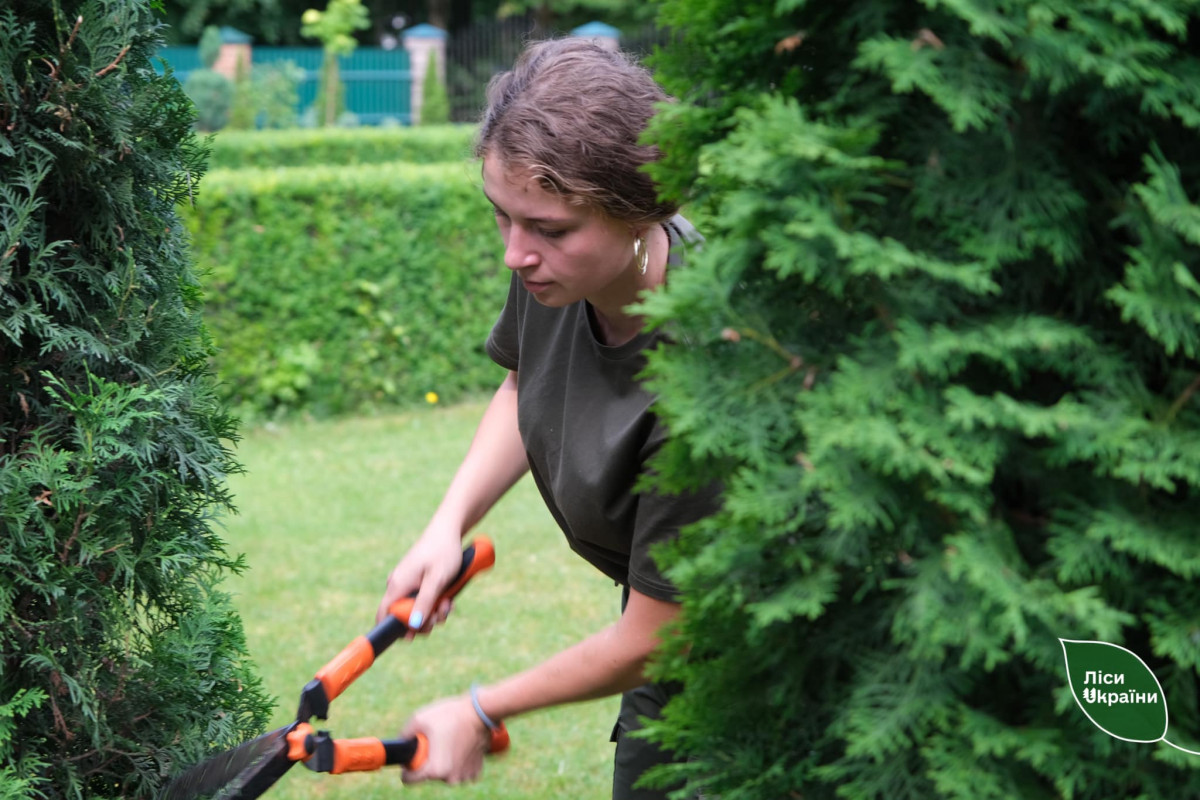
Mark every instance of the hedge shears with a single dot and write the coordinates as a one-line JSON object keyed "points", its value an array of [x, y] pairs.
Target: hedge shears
{"points": [[249, 769]]}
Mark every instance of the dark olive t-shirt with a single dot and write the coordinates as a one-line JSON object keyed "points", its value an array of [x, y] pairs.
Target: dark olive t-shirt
{"points": [[588, 430]]}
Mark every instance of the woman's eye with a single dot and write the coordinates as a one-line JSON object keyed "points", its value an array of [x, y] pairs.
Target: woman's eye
{"points": [[551, 234]]}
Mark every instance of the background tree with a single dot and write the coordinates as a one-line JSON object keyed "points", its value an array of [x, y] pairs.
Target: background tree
{"points": [[119, 657], [333, 27], [945, 359], [277, 22], [266, 20]]}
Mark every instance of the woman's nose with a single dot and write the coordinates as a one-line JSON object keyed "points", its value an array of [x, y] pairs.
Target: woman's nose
{"points": [[519, 250]]}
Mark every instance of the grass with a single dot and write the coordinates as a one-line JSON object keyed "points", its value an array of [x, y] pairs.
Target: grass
{"points": [[325, 510]]}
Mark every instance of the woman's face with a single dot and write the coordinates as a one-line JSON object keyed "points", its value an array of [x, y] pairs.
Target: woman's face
{"points": [[562, 253]]}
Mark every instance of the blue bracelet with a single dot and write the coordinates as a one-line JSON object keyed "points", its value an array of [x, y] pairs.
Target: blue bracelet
{"points": [[492, 726]]}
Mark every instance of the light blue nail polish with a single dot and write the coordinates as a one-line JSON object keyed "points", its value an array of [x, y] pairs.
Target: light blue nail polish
{"points": [[415, 619]]}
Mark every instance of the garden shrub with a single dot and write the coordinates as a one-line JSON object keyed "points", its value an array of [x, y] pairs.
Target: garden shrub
{"points": [[212, 92], [945, 355], [338, 289], [341, 146], [120, 659], [269, 97]]}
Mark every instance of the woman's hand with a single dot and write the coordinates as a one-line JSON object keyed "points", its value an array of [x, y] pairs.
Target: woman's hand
{"points": [[458, 741], [427, 569]]}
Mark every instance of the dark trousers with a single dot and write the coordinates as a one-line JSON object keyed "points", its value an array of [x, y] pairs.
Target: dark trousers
{"points": [[636, 755]]}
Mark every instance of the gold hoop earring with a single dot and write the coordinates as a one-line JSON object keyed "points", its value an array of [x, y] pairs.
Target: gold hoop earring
{"points": [[641, 253]]}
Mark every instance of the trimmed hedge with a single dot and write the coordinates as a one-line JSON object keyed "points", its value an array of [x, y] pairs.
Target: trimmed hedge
{"points": [[338, 289], [340, 146]]}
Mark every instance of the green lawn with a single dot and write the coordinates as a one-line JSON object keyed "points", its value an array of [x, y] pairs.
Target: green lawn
{"points": [[325, 511]]}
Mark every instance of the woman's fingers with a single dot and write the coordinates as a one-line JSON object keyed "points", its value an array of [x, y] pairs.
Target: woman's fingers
{"points": [[425, 570]]}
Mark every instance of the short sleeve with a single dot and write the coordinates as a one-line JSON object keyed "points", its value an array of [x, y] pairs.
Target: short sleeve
{"points": [[504, 342], [659, 519]]}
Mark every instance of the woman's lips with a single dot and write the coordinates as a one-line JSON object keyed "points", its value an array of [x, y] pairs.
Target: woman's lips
{"points": [[534, 287]]}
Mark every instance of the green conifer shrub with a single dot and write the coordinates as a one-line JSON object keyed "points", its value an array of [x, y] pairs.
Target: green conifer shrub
{"points": [[435, 104], [945, 353], [119, 657]]}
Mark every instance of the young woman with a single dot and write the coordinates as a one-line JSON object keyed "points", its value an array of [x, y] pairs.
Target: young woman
{"points": [[584, 233]]}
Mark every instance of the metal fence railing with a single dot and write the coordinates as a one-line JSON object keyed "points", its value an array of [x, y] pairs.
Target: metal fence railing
{"points": [[474, 54], [378, 82]]}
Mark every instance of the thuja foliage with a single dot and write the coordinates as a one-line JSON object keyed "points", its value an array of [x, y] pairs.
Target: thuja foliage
{"points": [[119, 657], [945, 356]]}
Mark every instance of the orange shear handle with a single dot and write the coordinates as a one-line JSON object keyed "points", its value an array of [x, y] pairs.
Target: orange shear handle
{"points": [[357, 657], [321, 753]]}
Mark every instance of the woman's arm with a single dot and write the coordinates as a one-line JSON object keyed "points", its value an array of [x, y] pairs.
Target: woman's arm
{"points": [[494, 462], [606, 663]]}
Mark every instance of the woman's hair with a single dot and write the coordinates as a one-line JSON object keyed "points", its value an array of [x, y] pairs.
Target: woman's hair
{"points": [[570, 113]]}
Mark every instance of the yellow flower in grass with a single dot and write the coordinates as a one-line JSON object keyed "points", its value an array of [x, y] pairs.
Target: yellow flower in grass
{"points": [[431, 398]]}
